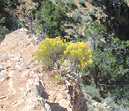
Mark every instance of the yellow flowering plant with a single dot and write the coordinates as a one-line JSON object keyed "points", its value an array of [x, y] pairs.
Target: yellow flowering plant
{"points": [[49, 51], [79, 53], [59, 80], [53, 50]]}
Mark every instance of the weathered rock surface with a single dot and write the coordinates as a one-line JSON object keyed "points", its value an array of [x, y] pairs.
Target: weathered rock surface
{"points": [[26, 86], [20, 86]]}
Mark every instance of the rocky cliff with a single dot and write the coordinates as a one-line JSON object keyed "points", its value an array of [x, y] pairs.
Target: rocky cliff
{"points": [[27, 86]]}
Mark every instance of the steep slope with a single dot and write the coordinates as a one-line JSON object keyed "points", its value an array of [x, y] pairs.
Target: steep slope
{"points": [[21, 86], [27, 86]]}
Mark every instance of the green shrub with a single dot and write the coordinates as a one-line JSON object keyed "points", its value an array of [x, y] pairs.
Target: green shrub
{"points": [[81, 1], [101, 109], [94, 31], [4, 3], [110, 67], [109, 100], [115, 107], [49, 18], [92, 91], [71, 5], [77, 15], [91, 108]]}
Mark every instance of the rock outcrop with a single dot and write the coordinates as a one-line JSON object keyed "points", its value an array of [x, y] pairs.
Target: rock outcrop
{"points": [[26, 86], [21, 84]]}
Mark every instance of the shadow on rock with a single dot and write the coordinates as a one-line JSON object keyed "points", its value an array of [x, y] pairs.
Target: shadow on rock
{"points": [[56, 107], [45, 95]]}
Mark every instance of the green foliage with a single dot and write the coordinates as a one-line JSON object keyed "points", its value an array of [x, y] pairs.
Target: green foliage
{"points": [[77, 40], [91, 108], [86, 19], [92, 91], [49, 18], [3, 32], [8, 20], [81, 1], [71, 5], [110, 68], [77, 15], [3, 4], [101, 109], [109, 100], [115, 107], [4, 17], [95, 31]]}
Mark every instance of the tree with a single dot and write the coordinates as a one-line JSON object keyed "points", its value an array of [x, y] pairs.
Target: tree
{"points": [[49, 18], [110, 68], [3, 4], [3, 29]]}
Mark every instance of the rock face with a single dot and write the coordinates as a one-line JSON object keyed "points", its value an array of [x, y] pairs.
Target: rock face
{"points": [[25, 86], [77, 98], [21, 86]]}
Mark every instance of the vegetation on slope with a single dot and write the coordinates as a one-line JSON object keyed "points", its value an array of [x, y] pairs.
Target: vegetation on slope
{"points": [[107, 33]]}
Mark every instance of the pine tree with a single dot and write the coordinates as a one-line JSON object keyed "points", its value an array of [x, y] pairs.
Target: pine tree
{"points": [[49, 18]]}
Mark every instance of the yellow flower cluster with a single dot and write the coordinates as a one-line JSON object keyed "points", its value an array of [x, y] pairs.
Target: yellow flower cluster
{"points": [[59, 80], [79, 53], [49, 50]]}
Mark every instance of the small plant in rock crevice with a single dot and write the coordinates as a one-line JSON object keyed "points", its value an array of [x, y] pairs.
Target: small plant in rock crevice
{"points": [[59, 79]]}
